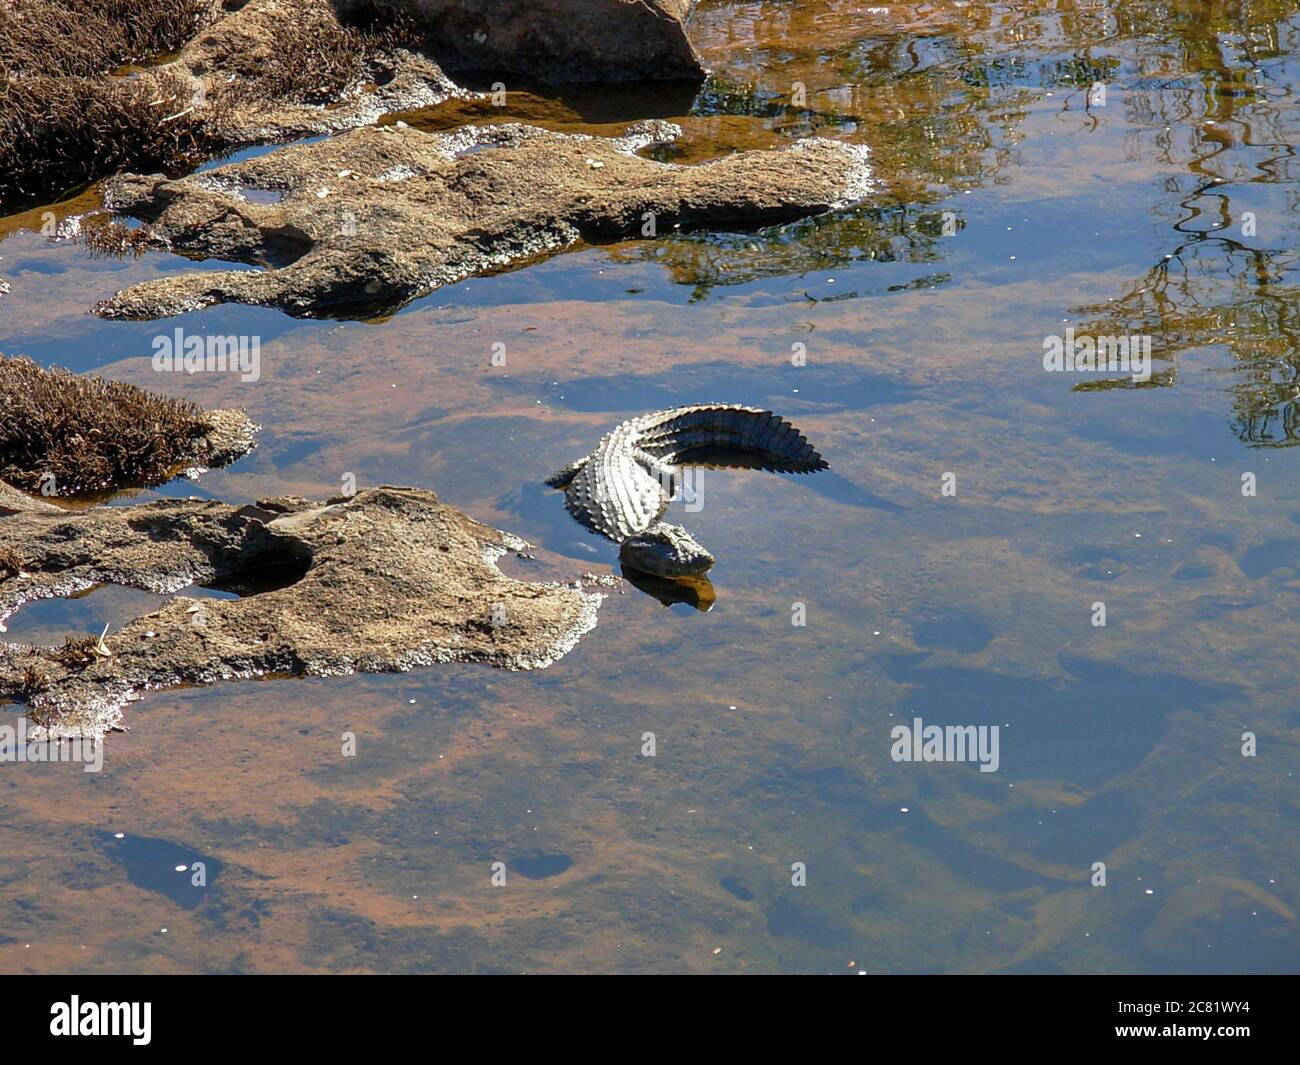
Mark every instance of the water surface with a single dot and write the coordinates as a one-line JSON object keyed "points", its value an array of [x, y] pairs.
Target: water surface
{"points": [[1014, 201]]}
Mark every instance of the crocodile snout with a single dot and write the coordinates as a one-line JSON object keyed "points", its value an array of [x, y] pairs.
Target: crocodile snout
{"points": [[666, 551]]}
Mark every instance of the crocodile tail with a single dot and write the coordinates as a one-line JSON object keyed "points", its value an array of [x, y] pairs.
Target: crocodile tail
{"points": [[564, 477], [733, 437]]}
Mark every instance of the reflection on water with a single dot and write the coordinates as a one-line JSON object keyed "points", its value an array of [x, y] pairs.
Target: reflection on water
{"points": [[108, 607], [45, 622], [696, 592], [1041, 165]]}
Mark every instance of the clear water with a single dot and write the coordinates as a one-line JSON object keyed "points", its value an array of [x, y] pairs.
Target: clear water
{"points": [[1010, 207]]}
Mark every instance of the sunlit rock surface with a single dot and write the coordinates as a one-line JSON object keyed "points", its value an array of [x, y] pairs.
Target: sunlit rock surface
{"points": [[383, 581], [377, 216]]}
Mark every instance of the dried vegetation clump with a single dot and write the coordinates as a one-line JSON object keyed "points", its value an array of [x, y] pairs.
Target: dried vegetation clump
{"points": [[34, 681], [89, 434], [82, 38], [57, 133], [324, 58], [10, 564], [77, 652], [64, 121], [106, 238]]}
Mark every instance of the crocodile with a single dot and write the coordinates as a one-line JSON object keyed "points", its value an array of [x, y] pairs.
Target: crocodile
{"points": [[623, 488]]}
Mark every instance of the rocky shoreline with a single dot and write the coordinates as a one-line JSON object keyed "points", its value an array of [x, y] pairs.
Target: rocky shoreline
{"points": [[383, 581], [362, 220]]}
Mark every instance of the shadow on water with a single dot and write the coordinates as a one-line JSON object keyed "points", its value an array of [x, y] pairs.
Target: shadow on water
{"points": [[163, 866], [966, 634], [560, 108], [540, 866]]}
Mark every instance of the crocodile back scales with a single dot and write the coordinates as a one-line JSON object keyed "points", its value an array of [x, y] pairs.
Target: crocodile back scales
{"points": [[613, 493]]}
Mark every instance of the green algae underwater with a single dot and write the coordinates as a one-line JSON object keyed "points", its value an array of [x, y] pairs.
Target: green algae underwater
{"points": [[1012, 202]]}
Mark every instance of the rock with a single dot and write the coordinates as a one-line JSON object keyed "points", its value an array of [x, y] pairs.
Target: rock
{"points": [[267, 70], [556, 40], [377, 216], [273, 70], [386, 580], [13, 501], [280, 69], [357, 60], [231, 435]]}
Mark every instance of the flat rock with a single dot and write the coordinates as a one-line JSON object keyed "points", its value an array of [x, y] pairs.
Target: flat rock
{"points": [[377, 216], [386, 580]]}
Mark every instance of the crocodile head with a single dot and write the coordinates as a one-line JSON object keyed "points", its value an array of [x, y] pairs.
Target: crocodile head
{"points": [[666, 551]]}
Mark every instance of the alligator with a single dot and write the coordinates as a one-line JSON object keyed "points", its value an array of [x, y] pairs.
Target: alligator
{"points": [[623, 488]]}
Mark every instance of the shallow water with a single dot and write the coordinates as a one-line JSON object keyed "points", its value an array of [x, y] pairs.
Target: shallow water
{"points": [[1012, 203]]}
